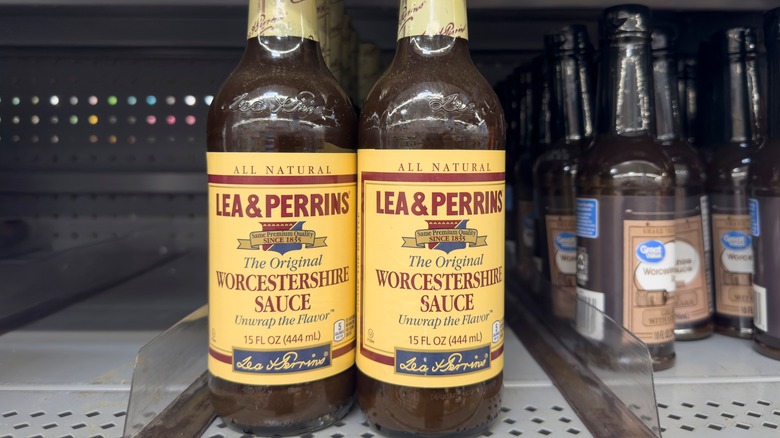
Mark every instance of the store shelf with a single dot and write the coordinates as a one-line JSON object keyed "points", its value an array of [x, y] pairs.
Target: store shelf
{"points": [[79, 361], [69, 374]]}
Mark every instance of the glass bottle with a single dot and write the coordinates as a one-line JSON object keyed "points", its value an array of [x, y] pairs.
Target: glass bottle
{"points": [[431, 235], [282, 192], [625, 196], [524, 224], [688, 88], [693, 277], [741, 133], [555, 169], [764, 205]]}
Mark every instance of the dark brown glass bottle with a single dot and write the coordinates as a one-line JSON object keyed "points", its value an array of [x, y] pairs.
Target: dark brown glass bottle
{"points": [[741, 133], [693, 293], [688, 90], [555, 169], [542, 95], [625, 195], [709, 100], [524, 223], [280, 108], [764, 203], [431, 107]]}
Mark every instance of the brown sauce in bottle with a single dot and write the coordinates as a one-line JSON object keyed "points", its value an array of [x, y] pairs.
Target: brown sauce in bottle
{"points": [[432, 98], [281, 98], [625, 196], [764, 193], [555, 169], [693, 277], [740, 135]]}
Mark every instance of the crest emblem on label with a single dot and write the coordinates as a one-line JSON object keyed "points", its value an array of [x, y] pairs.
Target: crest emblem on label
{"points": [[446, 235], [282, 237]]}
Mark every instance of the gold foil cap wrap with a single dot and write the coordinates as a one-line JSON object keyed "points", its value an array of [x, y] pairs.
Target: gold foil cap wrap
{"points": [[433, 17], [283, 18]]}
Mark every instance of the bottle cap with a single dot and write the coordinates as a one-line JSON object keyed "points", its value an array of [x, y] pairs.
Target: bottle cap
{"points": [[664, 39], [629, 20], [570, 39], [738, 40]]}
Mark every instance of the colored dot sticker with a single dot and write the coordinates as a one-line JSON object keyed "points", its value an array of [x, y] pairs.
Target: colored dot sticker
{"points": [[112, 100], [93, 120], [112, 139], [170, 100], [35, 120], [16, 101], [74, 120], [93, 139], [190, 120], [55, 139], [151, 120], [190, 100], [74, 100], [208, 100], [35, 100], [171, 120], [54, 100], [132, 100], [151, 100], [93, 100]]}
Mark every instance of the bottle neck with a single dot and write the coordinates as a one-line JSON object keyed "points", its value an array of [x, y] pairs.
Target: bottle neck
{"points": [[742, 103], [283, 31], [432, 30], [667, 104], [283, 18], [572, 103], [773, 70], [626, 95], [433, 17]]}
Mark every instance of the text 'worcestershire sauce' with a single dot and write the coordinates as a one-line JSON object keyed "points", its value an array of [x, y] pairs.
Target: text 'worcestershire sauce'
{"points": [[741, 133], [431, 235], [556, 168], [625, 197], [282, 211], [693, 278], [764, 206]]}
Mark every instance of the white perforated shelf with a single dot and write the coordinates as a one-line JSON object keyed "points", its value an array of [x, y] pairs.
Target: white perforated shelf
{"points": [[69, 374]]}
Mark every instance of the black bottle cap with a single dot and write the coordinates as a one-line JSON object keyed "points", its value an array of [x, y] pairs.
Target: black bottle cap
{"points": [[664, 39], [570, 39], [629, 20], [772, 26], [738, 40]]}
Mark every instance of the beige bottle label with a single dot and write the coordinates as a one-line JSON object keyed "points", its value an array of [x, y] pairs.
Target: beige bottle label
{"points": [[733, 260], [691, 296], [562, 253], [431, 266], [281, 266], [433, 17], [649, 257], [288, 18]]}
